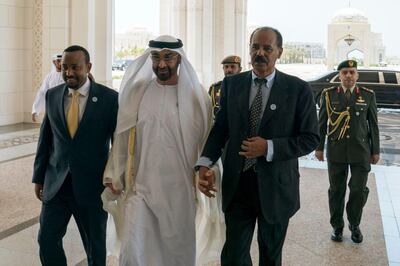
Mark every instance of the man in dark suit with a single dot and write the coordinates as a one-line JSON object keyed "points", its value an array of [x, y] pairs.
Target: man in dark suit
{"points": [[71, 155], [270, 120], [348, 118]]}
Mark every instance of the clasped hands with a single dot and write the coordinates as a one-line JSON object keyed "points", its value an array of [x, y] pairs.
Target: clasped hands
{"points": [[251, 148], [113, 190]]}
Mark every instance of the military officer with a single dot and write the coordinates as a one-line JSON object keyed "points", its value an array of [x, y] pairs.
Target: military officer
{"points": [[348, 118], [230, 66]]}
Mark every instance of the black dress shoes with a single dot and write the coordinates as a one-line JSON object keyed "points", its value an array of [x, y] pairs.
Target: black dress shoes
{"points": [[356, 234], [337, 235]]}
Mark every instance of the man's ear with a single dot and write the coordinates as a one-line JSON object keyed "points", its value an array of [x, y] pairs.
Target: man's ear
{"points": [[280, 52], [89, 66]]}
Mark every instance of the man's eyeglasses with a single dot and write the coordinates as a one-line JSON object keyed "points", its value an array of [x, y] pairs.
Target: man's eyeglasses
{"points": [[156, 58]]}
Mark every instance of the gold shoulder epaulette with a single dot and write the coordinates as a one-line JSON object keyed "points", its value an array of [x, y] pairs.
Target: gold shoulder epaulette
{"points": [[366, 89], [330, 88]]}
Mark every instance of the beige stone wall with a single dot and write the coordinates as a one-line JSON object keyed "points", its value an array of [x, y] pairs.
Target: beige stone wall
{"points": [[50, 35], [31, 31], [15, 54]]}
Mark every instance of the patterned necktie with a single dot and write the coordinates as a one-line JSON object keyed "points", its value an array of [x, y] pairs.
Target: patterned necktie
{"points": [[254, 119], [73, 114]]}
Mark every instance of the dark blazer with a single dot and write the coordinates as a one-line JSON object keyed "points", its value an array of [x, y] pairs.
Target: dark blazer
{"points": [[362, 136], [85, 155], [289, 120]]}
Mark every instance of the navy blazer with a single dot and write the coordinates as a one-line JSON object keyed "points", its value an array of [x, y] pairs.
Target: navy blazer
{"points": [[289, 120], [85, 155]]}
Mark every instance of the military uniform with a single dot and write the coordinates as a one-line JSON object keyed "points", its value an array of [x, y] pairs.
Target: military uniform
{"points": [[351, 126], [215, 89], [215, 94]]}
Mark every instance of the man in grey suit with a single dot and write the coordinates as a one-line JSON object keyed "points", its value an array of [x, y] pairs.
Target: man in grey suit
{"points": [[270, 120], [71, 155]]}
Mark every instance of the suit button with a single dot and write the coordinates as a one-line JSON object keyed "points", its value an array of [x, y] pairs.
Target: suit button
{"points": [[348, 136]]}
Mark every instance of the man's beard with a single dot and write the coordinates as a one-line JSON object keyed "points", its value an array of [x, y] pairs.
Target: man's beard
{"points": [[72, 82], [163, 74]]}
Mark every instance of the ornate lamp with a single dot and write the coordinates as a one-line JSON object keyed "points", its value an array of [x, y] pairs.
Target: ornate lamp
{"points": [[349, 39]]}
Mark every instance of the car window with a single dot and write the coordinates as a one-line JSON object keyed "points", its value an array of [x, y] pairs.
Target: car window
{"points": [[321, 76], [370, 77], [390, 78]]}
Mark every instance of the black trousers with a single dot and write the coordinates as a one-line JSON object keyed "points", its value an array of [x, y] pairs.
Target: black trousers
{"points": [[54, 218], [240, 218], [358, 196]]}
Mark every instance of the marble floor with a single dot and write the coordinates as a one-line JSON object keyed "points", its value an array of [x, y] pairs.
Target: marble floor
{"points": [[381, 227]]}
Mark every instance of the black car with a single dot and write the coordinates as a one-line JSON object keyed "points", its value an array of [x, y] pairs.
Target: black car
{"points": [[385, 84], [121, 64]]}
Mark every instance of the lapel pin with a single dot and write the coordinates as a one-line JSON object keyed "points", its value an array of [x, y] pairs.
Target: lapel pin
{"points": [[94, 99], [272, 107]]}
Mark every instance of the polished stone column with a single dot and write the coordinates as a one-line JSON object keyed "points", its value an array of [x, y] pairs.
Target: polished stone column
{"points": [[92, 26], [210, 31]]}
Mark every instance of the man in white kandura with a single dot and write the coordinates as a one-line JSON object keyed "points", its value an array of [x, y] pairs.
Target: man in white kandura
{"points": [[164, 118], [53, 79]]}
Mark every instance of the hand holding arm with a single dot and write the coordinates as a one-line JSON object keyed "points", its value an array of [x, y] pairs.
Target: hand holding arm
{"points": [[207, 181], [320, 155], [113, 190], [375, 158]]}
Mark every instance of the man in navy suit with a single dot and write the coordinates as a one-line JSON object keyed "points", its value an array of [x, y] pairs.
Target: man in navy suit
{"points": [[270, 120], [71, 155]]}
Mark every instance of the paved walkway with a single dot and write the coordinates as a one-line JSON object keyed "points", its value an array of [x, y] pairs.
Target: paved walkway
{"points": [[308, 236]]}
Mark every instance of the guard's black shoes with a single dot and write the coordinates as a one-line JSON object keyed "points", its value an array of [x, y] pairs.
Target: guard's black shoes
{"points": [[356, 234], [337, 235]]}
